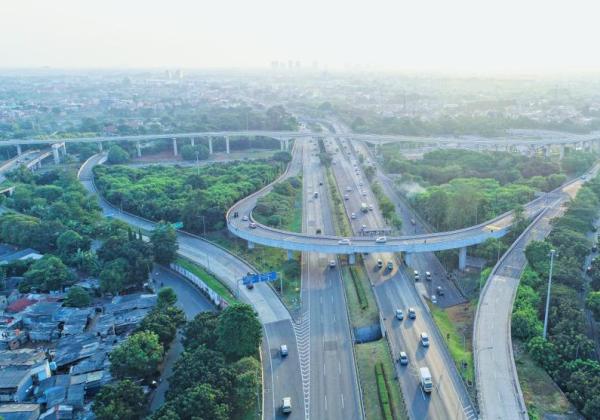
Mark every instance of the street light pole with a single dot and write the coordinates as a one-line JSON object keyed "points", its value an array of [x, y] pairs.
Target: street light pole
{"points": [[552, 252]]}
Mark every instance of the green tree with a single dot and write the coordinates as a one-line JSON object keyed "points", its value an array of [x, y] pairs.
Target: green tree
{"points": [[537, 255], [525, 324], [202, 402], [46, 274], [164, 243], [166, 297], [160, 324], [113, 275], [116, 155], [123, 400], [246, 387], [77, 297], [138, 357], [69, 243], [201, 331], [283, 157], [593, 303], [235, 318]]}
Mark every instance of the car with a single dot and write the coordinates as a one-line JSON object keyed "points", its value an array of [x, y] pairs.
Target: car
{"points": [[245, 218], [353, 216], [252, 225], [346, 197], [379, 263], [360, 183], [332, 263], [440, 291], [433, 299], [320, 182], [428, 275], [390, 265], [399, 314], [348, 188], [371, 207], [286, 405], [413, 222], [344, 241], [316, 194], [403, 359], [363, 227], [249, 286], [283, 350], [594, 229], [318, 231], [412, 314], [424, 339], [381, 240], [589, 269], [594, 248], [416, 275], [364, 193]]}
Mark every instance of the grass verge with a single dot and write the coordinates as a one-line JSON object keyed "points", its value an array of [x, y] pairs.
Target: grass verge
{"points": [[368, 356], [360, 314], [542, 396], [340, 219], [456, 326], [210, 280], [266, 259]]}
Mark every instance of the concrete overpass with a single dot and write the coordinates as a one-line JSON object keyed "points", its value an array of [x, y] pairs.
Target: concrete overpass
{"points": [[515, 140]]}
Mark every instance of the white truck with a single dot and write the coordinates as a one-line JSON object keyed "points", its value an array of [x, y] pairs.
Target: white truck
{"points": [[426, 382], [363, 207]]}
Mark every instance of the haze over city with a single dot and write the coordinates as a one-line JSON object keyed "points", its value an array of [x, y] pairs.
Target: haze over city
{"points": [[459, 36]]}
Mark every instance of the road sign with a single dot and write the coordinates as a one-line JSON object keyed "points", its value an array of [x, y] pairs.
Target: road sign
{"points": [[177, 225], [258, 278]]}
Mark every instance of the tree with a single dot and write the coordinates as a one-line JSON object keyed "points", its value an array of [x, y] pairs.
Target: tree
{"points": [[202, 402], [77, 297], [201, 331], [166, 297], [537, 253], [138, 357], [189, 152], [124, 400], [235, 318], [525, 324], [247, 373], [282, 156], [112, 277], [46, 274], [164, 243], [116, 155], [69, 242], [593, 303], [159, 323]]}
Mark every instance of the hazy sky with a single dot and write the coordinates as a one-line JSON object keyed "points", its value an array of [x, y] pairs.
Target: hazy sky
{"points": [[455, 35]]}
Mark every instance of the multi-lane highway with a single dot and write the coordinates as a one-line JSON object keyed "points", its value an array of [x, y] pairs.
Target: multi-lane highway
{"points": [[499, 393], [281, 377], [395, 289], [334, 392]]}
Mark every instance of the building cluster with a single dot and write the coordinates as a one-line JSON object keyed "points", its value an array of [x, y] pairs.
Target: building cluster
{"points": [[53, 358]]}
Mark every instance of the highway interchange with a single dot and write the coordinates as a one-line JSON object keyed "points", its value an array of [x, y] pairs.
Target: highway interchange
{"points": [[320, 371]]}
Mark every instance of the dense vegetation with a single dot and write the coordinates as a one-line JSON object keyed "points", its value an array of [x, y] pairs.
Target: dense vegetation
{"points": [[282, 206], [218, 375], [464, 187], [569, 354], [197, 197]]}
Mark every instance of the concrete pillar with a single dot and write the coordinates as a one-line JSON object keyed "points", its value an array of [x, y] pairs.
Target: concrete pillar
{"points": [[210, 149], [408, 258], [19, 150], [287, 144], [174, 147], [290, 255], [250, 245], [588, 146], [352, 259], [100, 146], [64, 148], [561, 151], [192, 141], [462, 258], [227, 145], [55, 154], [281, 144], [138, 147], [546, 152]]}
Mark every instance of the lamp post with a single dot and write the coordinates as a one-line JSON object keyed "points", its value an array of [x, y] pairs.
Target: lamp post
{"points": [[552, 252]]}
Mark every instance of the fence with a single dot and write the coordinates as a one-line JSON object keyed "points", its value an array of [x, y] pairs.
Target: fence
{"points": [[197, 281]]}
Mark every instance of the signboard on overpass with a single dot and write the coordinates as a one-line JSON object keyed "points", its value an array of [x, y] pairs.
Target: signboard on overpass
{"points": [[177, 225], [258, 278]]}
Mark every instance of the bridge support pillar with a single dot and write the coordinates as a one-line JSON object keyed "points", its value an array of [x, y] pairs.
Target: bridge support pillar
{"points": [[227, 145], [192, 141], [19, 150], [281, 144], [290, 255], [100, 145], [174, 147], [250, 245], [561, 151], [407, 258], [352, 259], [55, 148], [546, 152], [462, 258], [210, 149], [138, 147]]}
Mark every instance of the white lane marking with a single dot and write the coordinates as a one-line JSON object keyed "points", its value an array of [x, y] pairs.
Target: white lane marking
{"points": [[325, 402], [342, 395], [272, 379]]}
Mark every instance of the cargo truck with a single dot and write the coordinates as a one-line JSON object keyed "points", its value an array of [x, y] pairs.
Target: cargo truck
{"points": [[426, 382]]}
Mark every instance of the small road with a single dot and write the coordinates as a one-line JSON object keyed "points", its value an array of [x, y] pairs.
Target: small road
{"points": [[280, 379], [499, 392], [192, 302]]}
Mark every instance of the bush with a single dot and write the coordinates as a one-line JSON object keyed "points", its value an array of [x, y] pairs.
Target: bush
{"points": [[116, 155], [383, 392]]}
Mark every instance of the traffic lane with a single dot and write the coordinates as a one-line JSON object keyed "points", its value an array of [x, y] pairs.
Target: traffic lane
{"points": [[284, 371]]}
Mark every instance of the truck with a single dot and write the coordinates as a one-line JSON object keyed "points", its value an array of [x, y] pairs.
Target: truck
{"points": [[426, 382], [364, 208]]}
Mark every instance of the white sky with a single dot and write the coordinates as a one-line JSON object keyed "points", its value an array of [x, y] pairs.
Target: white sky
{"points": [[447, 35]]}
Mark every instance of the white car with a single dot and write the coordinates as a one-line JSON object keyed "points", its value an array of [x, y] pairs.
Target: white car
{"points": [[424, 339], [283, 350], [381, 240], [344, 241], [399, 314], [371, 207], [331, 263], [252, 225], [245, 218], [353, 216], [433, 299], [348, 189], [364, 193], [428, 275], [346, 197]]}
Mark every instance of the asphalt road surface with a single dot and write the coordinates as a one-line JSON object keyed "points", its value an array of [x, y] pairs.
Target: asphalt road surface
{"points": [[395, 289]]}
